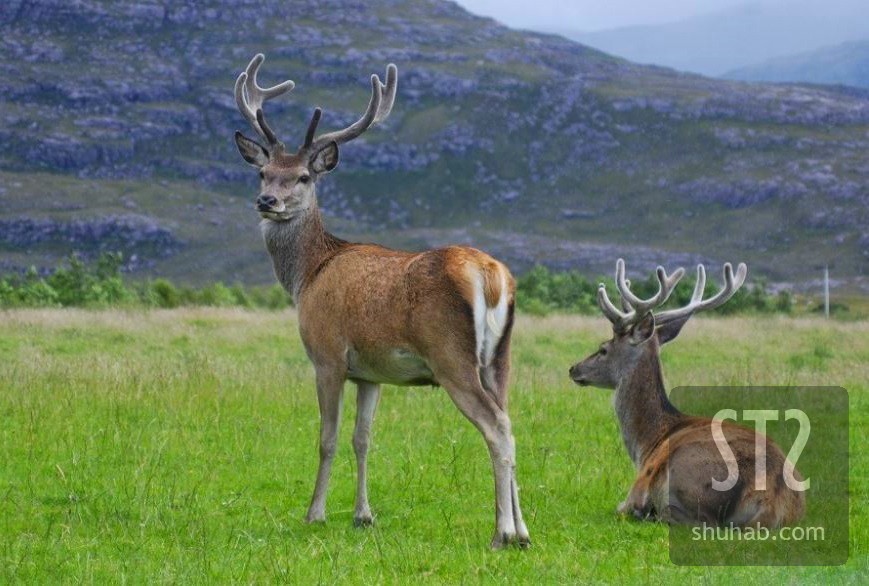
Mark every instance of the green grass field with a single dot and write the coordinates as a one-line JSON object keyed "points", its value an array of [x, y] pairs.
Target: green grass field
{"points": [[180, 446]]}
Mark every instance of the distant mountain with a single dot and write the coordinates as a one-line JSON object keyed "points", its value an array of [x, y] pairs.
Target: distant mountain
{"points": [[845, 64], [117, 117], [736, 37]]}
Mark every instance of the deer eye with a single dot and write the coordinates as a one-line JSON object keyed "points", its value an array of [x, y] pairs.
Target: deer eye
{"points": [[304, 178], [262, 175], [602, 351]]}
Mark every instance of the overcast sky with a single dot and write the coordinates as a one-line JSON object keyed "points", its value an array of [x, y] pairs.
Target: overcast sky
{"points": [[590, 15]]}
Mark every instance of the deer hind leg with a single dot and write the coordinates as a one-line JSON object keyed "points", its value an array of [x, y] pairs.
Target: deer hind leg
{"points": [[479, 406], [367, 396], [330, 389], [495, 379], [637, 504], [495, 360]]}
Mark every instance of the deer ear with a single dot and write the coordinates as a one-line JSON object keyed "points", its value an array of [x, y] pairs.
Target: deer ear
{"points": [[642, 330], [670, 330], [252, 151], [325, 159]]}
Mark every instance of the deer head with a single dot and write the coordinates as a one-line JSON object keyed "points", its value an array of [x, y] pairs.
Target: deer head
{"points": [[288, 177], [636, 329]]}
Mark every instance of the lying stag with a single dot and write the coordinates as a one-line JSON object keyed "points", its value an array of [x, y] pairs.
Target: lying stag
{"points": [[676, 455], [374, 315]]}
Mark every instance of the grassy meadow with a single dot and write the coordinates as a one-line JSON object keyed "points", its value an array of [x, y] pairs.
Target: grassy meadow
{"points": [[181, 446]]}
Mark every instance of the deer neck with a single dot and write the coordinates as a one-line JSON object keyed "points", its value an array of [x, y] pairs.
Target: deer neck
{"points": [[644, 412], [299, 247]]}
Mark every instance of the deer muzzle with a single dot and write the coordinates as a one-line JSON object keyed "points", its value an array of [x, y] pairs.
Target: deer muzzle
{"points": [[266, 203]]}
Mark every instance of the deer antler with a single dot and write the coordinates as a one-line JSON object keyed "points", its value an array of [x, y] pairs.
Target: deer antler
{"points": [[379, 107], [732, 283], [250, 97], [633, 307]]}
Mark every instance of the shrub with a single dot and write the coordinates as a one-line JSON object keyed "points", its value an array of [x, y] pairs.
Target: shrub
{"points": [[270, 297], [217, 295], [31, 291], [239, 294], [164, 294], [76, 284], [541, 291], [538, 292]]}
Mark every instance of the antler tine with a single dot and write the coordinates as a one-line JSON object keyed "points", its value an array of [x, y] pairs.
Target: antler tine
{"points": [[312, 127], [618, 318], [388, 92], [633, 307], [361, 125], [249, 97], [626, 307], [640, 307], [267, 131], [732, 284], [699, 286], [379, 107]]}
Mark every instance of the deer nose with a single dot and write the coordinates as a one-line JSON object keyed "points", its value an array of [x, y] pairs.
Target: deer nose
{"points": [[266, 202]]}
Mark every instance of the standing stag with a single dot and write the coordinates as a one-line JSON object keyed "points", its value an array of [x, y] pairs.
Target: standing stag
{"points": [[676, 456], [374, 315]]}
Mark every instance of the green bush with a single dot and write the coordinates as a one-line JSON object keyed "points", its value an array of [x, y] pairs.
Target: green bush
{"points": [[163, 294], [240, 295], [28, 291], [269, 297], [80, 285], [217, 295], [101, 284], [541, 291], [538, 292]]}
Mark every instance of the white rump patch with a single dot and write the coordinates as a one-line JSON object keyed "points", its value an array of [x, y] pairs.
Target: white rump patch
{"points": [[489, 322]]}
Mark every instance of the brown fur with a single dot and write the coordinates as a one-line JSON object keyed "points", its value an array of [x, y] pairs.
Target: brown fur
{"points": [[675, 455], [687, 450], [374, 315], [375, 299]]}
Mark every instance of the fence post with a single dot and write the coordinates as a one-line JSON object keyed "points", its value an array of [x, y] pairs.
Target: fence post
{"points": [[826, 291]]}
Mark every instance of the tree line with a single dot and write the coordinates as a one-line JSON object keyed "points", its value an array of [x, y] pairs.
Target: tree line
{"points": [[101, 283]]}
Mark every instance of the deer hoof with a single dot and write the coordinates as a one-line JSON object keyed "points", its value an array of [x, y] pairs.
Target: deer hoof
{"points": [[315, 518], [503, 539], [366, 520]]}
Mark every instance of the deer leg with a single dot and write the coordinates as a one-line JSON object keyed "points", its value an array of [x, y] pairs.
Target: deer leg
{"points": [[330, 388], [522, 535], [367, 395], [499, 440], [494, 423], [494, 380], [500, 369], [637, 503]]}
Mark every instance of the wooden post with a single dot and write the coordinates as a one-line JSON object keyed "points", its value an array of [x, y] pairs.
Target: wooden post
{"points": [[826, 291]]}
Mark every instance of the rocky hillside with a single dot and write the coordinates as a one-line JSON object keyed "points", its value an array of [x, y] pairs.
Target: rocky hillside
{"points": [[116, 122]]}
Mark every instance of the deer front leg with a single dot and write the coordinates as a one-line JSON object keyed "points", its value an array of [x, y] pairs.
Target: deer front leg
{"points": [[330, 388], [367, 395]]}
